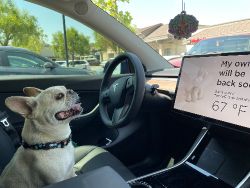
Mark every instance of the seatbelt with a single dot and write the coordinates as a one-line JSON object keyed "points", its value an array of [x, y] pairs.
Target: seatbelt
{"points": [[9, 129]]}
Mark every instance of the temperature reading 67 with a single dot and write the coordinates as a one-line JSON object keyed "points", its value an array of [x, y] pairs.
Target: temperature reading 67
{"points": [[221, 106], [217, 105]]}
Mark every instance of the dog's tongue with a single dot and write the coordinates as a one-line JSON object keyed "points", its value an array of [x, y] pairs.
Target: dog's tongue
{"points": [[75, 109], [62, 115]]}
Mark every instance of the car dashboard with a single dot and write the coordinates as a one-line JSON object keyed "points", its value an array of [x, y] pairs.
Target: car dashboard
{"points": [[220, 155]]}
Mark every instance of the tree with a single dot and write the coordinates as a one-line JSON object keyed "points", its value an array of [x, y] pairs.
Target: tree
{"points": [[111, 7], [78, 44], [18, 28], [102, 43]]}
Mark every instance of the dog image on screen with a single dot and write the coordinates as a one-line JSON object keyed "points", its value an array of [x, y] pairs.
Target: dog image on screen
{"points": [[46, 155], [195, 92]]}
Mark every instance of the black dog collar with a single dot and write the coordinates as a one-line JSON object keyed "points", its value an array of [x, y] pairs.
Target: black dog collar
{"points": [[48, 145]]}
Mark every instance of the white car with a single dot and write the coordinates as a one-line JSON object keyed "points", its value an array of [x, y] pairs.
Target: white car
{"points": [[81, 64], [62, 63]]}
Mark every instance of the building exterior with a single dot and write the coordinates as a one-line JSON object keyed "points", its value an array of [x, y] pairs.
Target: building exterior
{"points": [[108, 54], [158, 37], [239, 27], [48, 52]]}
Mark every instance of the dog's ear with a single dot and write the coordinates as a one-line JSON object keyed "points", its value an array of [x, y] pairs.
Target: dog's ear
{"points": [[31, 91], [22, 105]]}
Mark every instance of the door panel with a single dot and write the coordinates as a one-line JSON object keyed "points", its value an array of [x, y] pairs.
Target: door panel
{"points": [[88, 89]]}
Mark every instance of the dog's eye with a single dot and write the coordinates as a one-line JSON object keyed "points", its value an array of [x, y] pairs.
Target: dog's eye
{"points": [[59, 96]]}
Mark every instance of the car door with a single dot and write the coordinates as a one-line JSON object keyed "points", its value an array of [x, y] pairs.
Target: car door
{"points": [[20, 63]]}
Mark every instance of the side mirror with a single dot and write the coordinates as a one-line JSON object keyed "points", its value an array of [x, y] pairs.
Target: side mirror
{"points": [[49, 65]]}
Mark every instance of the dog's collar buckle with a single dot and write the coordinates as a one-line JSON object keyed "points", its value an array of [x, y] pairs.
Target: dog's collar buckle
{"points": [[48, 145]]}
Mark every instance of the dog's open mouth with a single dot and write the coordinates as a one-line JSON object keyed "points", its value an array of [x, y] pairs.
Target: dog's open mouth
{"points": [[76, 109]]}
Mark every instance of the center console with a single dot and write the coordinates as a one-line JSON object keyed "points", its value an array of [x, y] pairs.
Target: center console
{"points": [[214, 90], [183, 177], [210, 163]]}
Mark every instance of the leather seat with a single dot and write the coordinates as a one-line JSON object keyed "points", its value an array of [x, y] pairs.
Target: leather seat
{"points": [[87, 158], [7, 149]]}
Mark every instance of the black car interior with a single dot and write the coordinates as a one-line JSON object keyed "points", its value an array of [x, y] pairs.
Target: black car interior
{"points": [[159, 145]]}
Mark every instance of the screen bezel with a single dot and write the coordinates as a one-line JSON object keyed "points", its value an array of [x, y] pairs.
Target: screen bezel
{"points": [[208, 121]]}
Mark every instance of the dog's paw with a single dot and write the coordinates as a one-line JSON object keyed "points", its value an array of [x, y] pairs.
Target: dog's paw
{"points": [[188, 97], [195, 94]]}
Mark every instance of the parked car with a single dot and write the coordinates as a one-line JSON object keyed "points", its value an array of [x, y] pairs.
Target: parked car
{"points": [[62, 63], [21, 61], [93, 61], [175, 61], [81, 64], [224, 44]]}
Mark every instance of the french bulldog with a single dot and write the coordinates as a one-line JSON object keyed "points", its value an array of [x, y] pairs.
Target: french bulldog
{"points": [[46, 155], [195, 92]]}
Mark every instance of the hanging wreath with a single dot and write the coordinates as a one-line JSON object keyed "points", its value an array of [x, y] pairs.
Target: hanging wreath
{"points": [[183, 25]]}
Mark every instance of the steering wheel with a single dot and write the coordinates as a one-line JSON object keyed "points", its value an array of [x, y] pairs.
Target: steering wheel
{"points": [[125, 95]]}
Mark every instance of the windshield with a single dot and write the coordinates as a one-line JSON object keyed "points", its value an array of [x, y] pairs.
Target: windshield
{"points": [[223, 26], [150, 21]]}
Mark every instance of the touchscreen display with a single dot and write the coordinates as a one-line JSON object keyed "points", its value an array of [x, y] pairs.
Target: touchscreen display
{"points": [[217, 87]]}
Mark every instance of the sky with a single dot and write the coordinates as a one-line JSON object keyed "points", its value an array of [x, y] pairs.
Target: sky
{"points": [[208, 12], [149, 12]]}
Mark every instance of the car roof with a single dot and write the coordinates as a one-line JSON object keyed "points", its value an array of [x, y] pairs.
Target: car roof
{"points": [[11, 48], [226, 37], [16, 49], [78, 60]]}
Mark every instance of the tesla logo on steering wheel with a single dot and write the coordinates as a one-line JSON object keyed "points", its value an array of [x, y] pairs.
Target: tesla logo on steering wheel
{"points": [[114, 86]]}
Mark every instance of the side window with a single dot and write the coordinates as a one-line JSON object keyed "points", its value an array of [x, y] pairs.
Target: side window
{"points": [[87, 50], [22, 60]]}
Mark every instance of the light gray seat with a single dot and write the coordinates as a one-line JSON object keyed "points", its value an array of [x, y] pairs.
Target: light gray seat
{"points": [[91, 157], [87, 158]]}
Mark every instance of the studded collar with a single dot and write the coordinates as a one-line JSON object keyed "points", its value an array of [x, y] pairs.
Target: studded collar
{"points": [[48, 145]]}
